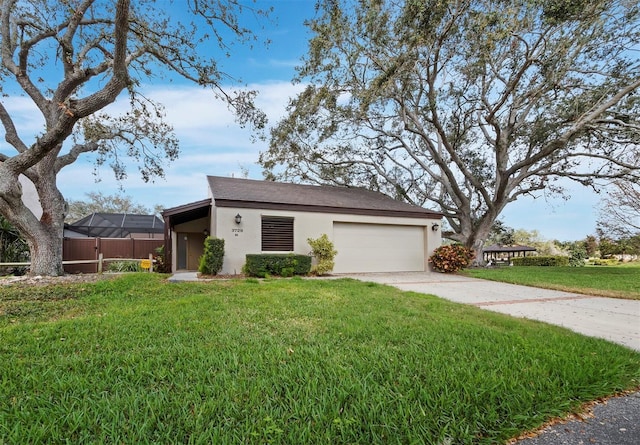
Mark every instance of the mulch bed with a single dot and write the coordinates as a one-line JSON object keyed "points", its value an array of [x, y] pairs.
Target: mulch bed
{"points": [[202, 276], [28, 280]]}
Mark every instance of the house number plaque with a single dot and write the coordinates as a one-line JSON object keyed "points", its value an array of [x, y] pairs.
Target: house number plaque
{"points": [[236, 231]]}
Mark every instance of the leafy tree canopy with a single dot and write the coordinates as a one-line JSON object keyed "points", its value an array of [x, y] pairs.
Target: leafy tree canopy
{"points": [[71, 59], [501, 234], [464, 105]]}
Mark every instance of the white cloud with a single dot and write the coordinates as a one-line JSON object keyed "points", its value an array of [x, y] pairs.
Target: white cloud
{"points": [[192, 108], [27, 119], [211, 144], [273, 63]]}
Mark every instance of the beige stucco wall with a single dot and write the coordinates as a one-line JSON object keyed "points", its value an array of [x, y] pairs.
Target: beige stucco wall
{"points": [[246, 237]]}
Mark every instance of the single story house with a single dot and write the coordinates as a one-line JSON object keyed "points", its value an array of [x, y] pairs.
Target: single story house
{"points": [[371, 231]]}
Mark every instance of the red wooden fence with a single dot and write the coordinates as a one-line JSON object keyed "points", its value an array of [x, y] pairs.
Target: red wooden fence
{"points": [[91, 248]]}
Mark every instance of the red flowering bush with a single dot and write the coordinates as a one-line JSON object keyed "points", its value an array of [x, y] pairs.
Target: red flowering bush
{"points": [[451, 258]]}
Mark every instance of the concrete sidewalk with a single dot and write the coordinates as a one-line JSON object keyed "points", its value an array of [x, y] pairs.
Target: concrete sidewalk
{"points": [[183, 276], [613, 319]]}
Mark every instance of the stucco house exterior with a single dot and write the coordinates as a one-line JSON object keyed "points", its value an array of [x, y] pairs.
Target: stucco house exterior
{"points": [[371, 231]]}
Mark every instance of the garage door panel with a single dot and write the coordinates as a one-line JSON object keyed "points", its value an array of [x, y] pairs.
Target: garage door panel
{"points": [[378, 248]]}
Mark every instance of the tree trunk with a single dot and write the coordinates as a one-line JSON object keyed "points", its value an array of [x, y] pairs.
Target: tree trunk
{"points": [[46, 238], [46, 254], [477, 245], [43, 236], [473, 235]]}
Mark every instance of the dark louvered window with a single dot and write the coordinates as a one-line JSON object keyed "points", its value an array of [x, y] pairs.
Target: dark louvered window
{"points": [[277, 234]]}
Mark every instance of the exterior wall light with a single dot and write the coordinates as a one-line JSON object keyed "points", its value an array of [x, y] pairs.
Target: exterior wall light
{"points": [[205, 232], [435, 227], [238, 218]]}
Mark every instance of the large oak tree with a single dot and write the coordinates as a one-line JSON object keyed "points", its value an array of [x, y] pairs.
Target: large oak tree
{"points": [[72, 58], [466, 104]]}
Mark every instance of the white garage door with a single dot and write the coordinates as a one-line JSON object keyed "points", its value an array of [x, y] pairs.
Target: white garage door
{"points": [[378, 248]]}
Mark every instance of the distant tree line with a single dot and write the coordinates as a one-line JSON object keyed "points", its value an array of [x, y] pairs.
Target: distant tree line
{"points": [[98, 202], [601, 245]]}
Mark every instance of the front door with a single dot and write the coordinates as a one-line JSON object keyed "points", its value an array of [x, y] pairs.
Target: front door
{"points": [[190, 249]]}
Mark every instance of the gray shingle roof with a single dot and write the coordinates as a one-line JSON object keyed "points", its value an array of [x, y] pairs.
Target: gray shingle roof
{"points": [[249, 193]]}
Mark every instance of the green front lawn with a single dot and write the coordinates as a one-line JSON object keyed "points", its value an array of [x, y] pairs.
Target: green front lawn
{"points": [[608, 281], [141, 360]]}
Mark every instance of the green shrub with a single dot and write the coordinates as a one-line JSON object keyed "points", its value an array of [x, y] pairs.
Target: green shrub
{"points": [[451, 258], [213, 256], [324, 253], [264, 265], [577, 257], [287, 272], [124, 266], [541, 261]]}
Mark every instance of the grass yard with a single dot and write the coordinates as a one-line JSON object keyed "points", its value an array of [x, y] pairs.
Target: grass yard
{"points": [[607, 281], [140, 360]]}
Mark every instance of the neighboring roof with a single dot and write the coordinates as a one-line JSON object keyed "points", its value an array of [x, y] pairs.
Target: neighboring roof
{"points": [[249, 193], [512, 248], [116, 225]]}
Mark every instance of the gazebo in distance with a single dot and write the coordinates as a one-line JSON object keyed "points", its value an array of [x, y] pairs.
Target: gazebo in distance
{"points": [[497, 253]]}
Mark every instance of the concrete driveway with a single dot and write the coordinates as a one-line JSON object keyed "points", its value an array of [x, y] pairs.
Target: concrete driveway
{"points": [[613, 319]]}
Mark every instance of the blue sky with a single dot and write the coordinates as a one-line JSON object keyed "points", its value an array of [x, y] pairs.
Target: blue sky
{"points": [[213, 144]]}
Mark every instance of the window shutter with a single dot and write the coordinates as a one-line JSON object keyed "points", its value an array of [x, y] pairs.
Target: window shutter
{"points": [[277, 234]]}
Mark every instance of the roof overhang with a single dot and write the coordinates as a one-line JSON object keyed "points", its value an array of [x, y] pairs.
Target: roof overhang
{"points": [[325, 209], [187, 212]]}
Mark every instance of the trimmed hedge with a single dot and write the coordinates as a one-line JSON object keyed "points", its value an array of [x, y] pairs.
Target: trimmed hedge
{"points": [[286, 265], [540, 261]]}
